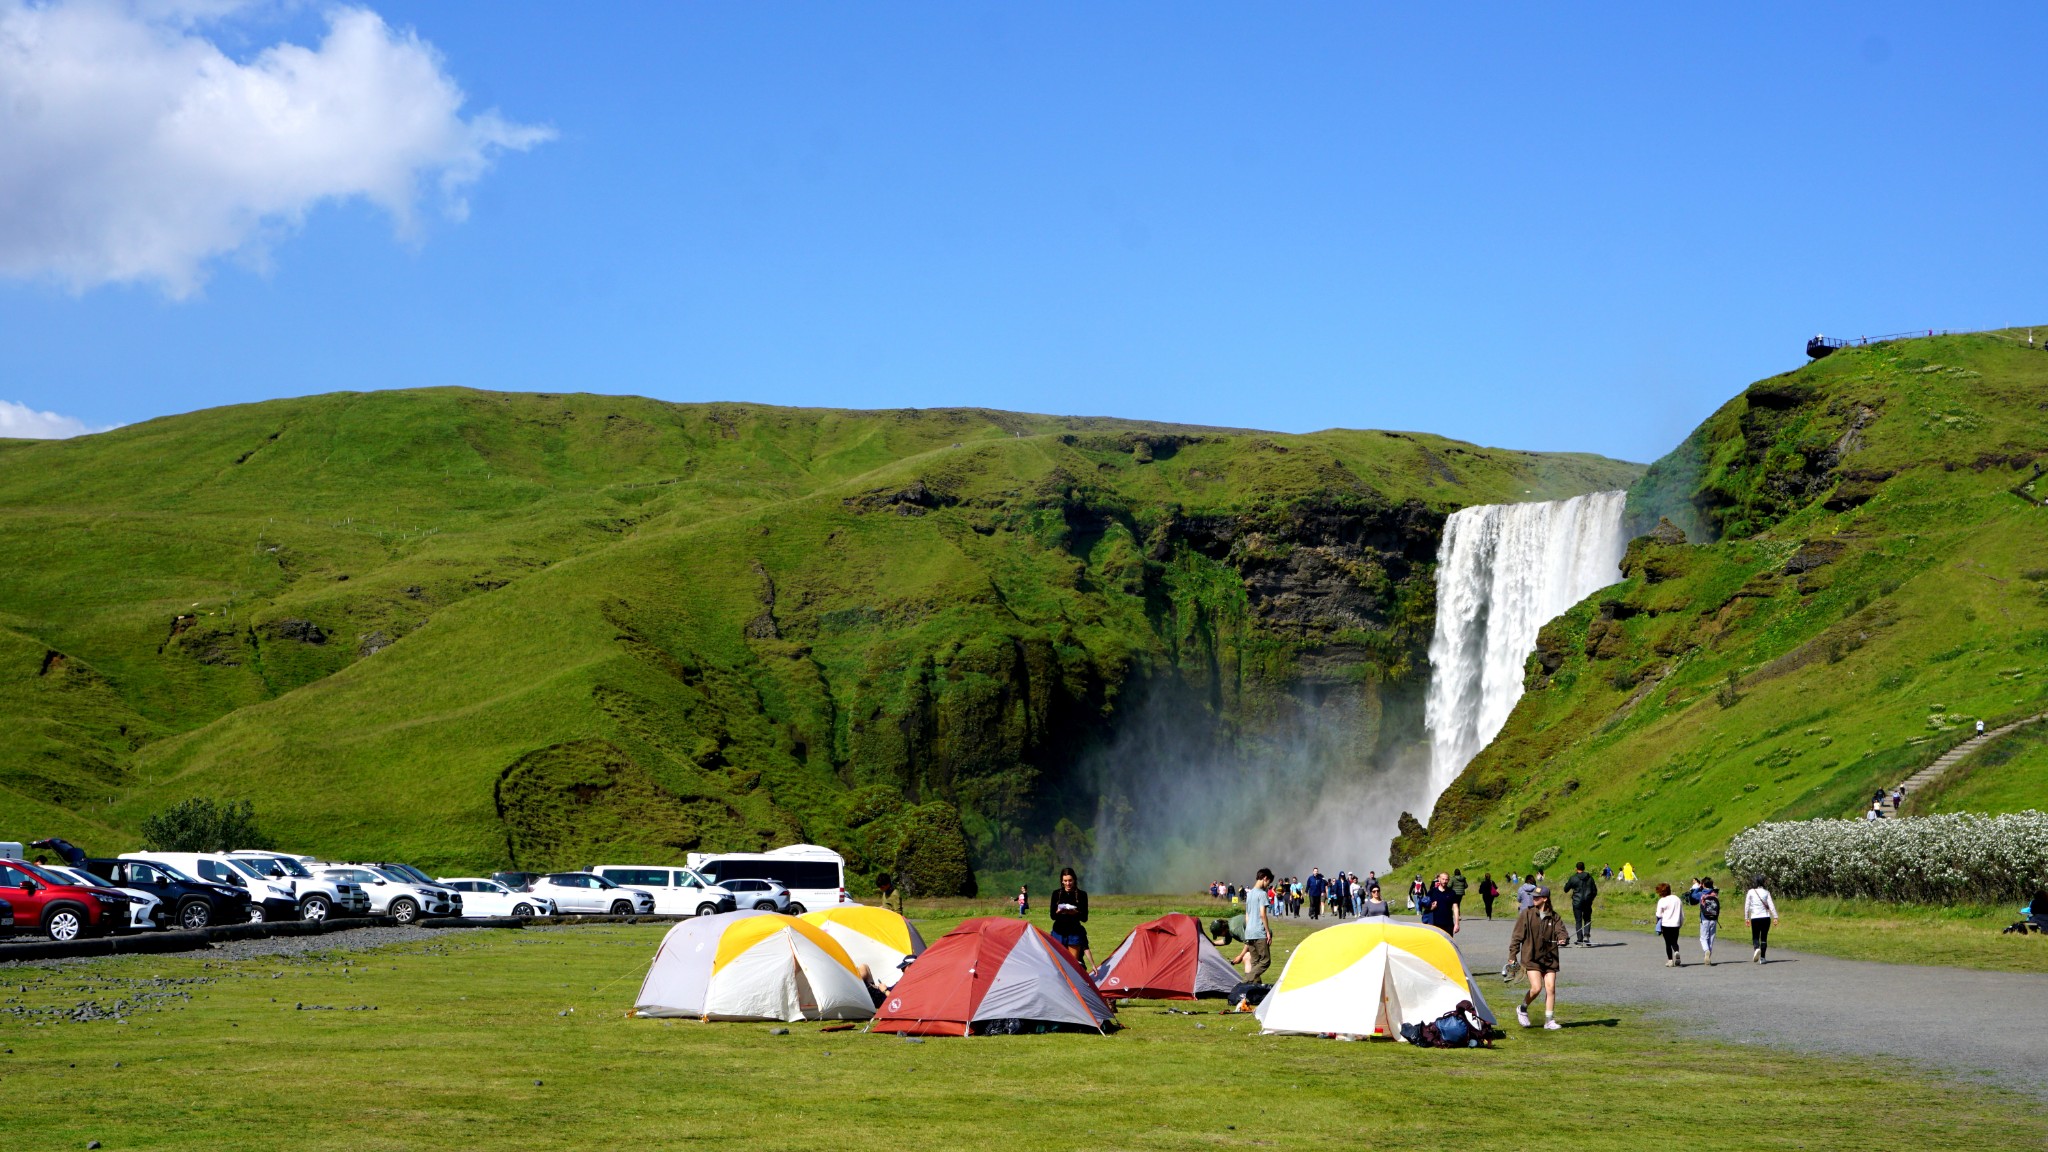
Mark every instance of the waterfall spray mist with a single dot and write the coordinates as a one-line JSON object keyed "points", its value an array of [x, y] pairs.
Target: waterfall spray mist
{"points": [[1505, 570]]}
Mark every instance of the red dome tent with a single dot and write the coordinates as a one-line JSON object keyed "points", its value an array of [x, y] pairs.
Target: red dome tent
{"points": [[1166, 959], [992, 974]]}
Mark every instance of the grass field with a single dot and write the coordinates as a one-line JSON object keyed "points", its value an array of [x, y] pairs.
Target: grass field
{"points": [[520, 1040]]}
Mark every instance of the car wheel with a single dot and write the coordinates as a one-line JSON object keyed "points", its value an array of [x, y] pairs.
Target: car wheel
{"points": [[707, 909], [195, 915], [796, 909], [256, 914], [65, 924], [404, 911], [764, 905], [315, 908], [522, 909], [622, 908]]}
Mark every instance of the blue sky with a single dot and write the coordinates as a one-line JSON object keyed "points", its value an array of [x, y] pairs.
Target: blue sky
{"points": [[1525, 227]]}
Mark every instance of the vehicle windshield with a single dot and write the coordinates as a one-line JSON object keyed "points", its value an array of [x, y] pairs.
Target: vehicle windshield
{"points": [[256, 868], [415, 873], [93, 879], [171, 873], [44, 874], [393, 874], [291, 867]]}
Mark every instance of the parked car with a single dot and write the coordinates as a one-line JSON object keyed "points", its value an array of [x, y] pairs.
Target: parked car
{"points": [[342, 899], [482, 897], [270, 898], [192, 903], [393, 893], [676, 891], [145, 911], [517, 881], [57, 907], [587, 892], [765, 895], [424, 880]]}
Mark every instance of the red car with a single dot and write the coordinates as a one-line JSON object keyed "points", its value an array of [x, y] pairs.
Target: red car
{"points": [[58, 908]]}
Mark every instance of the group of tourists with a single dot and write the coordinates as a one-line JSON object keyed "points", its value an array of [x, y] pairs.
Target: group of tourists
{"points": [[1757, 907]]}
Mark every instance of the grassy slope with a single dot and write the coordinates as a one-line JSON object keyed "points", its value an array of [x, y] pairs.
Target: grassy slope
{"points": [[507, 1039], [1930, 614], [569, 592]]}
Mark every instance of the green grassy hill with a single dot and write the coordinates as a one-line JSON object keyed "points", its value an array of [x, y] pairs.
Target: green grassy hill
{"points": [[475, 629], [1868, 577]]}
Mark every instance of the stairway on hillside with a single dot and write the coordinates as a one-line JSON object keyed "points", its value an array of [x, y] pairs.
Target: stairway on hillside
{"points": [[1950, 759]]}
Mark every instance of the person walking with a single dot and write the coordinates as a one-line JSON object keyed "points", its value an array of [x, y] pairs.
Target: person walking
{"points": [[1458, 887], [1582, 888], [1710, 919], [1488, 892], [1070, 915], [1374, 906], [1442, 910], [1316, 884], [1024, 902], [1670, 918], [1258, 931], [1525, 895], [1536, 942], [1762, 913], [1416, 890], [1357, 896]]}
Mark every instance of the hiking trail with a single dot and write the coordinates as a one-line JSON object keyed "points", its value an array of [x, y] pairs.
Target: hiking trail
{"points": [[1950, 759]]}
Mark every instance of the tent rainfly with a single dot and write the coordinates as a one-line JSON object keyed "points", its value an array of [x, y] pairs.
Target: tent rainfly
{"points": [[1367, 978], [1166, 959], [993, 975], [752, 966]]}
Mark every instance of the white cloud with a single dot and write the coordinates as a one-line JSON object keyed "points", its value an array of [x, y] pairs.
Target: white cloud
{"points": [[132, 149], [22, 422]]}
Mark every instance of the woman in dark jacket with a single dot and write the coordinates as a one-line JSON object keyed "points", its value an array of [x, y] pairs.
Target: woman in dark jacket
{"points": [[1487, 891], [1070, 915]]}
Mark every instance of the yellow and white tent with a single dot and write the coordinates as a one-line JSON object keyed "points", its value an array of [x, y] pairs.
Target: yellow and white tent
{"points": [[752, 966], [877, 937], [1369, 977]]}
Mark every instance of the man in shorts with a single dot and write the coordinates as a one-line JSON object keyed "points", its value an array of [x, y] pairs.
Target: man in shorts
{"points": [[1538, 938], [1258, 931]]}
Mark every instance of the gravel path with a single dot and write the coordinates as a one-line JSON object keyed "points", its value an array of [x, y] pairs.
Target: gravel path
{"points": [[1992, 1025]]}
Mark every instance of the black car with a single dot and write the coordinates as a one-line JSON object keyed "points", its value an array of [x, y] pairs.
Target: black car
{"points": [[190, 903]]}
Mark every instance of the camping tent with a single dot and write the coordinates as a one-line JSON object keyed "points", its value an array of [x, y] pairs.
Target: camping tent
{"points": [[752, 966], [877, 937], [992, 974], [1370, 977], [1166, 959]]}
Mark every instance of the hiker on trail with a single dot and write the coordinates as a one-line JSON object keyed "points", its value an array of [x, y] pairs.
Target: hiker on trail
{"points": [[1710, 918], [1628, 872], [1258, 933], [1898, 797], [1024, 901], [1488, 891], [1607, 871], [1762, 912], [1525, 894], [1316, 884], [1980, 727], [1670, 918], [1458, 889], [1374, 906], [1070, 915], [1581, 888], [1536, 942], [1442, 911]]}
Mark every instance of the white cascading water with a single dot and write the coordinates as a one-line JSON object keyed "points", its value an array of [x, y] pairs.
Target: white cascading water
{"points": [[1503, 571]]}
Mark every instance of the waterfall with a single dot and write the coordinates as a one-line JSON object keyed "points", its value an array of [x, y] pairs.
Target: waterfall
{"points": [[1503, 571]]}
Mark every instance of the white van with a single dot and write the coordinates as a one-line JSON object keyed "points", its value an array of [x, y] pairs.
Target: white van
{"points": [[676, 891], [815, 876]]}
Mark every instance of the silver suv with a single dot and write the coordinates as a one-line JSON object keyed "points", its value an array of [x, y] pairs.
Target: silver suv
{"points": [[765, 895]]}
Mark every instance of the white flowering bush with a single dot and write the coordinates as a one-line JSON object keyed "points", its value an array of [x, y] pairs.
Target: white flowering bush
{"points": [[1934, 859]]}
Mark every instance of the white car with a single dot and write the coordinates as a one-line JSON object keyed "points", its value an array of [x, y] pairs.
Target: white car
{"points": [[482, 897], [676, 891], [587, 892], [393, 893], [143, 913]]}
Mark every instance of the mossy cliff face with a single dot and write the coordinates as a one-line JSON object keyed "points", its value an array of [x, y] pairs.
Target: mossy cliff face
{"points": [[1842, 572], [474, 629]]}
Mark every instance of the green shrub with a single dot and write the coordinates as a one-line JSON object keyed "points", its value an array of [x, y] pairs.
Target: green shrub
{"points": [[202, 825]]}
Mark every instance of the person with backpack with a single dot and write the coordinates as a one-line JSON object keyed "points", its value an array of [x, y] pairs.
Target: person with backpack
{"points": [[1670, 918], [1488, 893], [1525, 895], [1581, 888], [1710, 918], [1536, 942], [1761, 912]]}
